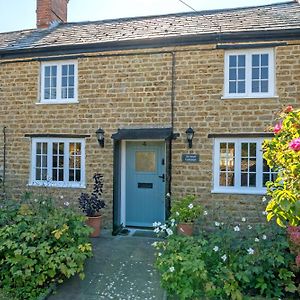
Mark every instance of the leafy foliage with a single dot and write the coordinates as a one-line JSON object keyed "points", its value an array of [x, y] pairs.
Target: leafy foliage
{"points": [[40, 244], [186, 210], [283, 154], [92, 204], [233, 261]]}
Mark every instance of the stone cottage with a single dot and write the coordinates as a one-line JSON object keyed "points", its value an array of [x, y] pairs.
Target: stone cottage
{"points": [[180, 102]]}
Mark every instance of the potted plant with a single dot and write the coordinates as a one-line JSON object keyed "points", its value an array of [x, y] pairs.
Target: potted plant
{"points": [[91, 204], [185, 212]]}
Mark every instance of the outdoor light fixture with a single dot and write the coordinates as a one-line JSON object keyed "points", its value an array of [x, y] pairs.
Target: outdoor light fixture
{"points": [[189, 135], [100, 137]]}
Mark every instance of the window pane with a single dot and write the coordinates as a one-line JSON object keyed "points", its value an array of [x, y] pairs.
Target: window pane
{"points": [[44, 174], [241, 73], [244, 179], [71, 93], [264, 86], [255, 73], [78, 175], [64, 81], [230, 179], [242, 60], [47, 71], [255, 60], [38, 174], [64, 70], [232, 60], [71, 69], [232, 74], [264, 73], [253, 149], [255, 86], [232, 87], [252, 179], [265, 59], [71, 175], [54, 71], [241, 87], [145, 161], [222, 179]]}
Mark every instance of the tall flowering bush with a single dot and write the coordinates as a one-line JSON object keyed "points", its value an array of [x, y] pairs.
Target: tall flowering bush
{"points": [[282, 153]]}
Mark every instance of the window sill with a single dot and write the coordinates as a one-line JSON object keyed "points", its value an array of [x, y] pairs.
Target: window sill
{"points": [[240, 191], [248, 97], [51, 185], [58, 102]]}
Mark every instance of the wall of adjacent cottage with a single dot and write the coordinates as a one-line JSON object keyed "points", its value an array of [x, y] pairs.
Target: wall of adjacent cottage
{"points": [[135, 90]]}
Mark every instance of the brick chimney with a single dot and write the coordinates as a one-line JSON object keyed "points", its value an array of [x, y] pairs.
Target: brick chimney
{"points": [[51, 11]]}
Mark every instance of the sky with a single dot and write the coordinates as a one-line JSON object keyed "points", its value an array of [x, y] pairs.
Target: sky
{"points": [[20, 14]]}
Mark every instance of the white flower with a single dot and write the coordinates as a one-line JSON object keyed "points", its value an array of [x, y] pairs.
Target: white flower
{"points": [[155, 224], [168, 194], [217, 224], [163, 227], [61, 197], [216, 248], [264, 199], [159, 254], [264, 213], [243, 219], [236, 228], [249, 227], [256, 240], [66, 203], [154, 244], [250, 251], [169, 231], [156, 230], [35, 200], [224, 257], [191, 206], [43, 202], [205, 213], [171, 269], [177, 213], [264, 237]]}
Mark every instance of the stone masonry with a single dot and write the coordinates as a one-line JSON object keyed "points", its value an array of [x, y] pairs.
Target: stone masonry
{"points": [[117, 89]]}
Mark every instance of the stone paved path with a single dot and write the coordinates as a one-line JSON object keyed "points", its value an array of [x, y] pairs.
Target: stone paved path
{"points": [[121, 269]]}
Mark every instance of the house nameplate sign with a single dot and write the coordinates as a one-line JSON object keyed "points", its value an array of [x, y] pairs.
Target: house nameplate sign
{"points": [[190, 158]]}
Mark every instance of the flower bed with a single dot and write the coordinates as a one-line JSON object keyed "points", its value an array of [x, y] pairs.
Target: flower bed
{"points": [[40, 245], [232, 261]]}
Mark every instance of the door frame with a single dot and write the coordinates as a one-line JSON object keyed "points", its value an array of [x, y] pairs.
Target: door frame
{"points": [[123, 164]]}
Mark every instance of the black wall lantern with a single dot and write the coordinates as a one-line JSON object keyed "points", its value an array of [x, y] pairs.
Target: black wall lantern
{"points": [[100, 137], [189, 135]]}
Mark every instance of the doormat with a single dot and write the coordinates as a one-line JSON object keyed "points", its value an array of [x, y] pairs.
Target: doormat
{"points": [[145, 233]]}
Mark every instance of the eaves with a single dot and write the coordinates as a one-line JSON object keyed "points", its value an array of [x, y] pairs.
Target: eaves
{"points": [[185, 40]]}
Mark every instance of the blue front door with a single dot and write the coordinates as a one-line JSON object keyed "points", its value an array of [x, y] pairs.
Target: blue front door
{"points": [[145, 183]]}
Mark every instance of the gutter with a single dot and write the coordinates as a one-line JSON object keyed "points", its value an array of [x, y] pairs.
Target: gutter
{"points": [[233, 37]]}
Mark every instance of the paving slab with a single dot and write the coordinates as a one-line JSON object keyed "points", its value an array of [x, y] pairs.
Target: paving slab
{"points": [[121, 269]]}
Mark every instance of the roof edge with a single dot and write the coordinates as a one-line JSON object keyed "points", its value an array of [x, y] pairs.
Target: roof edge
{"points": [[214, 38]]}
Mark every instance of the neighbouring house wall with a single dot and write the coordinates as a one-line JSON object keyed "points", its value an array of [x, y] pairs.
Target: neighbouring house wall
{"points": [[117, 91]]}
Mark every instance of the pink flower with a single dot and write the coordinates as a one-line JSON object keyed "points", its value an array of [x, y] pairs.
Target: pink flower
{"points": [[277, 128], [295, 144], [288, 109]]}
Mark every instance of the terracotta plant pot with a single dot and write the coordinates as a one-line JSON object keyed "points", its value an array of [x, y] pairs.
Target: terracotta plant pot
{"points": [[185, 229], [95, 223]]}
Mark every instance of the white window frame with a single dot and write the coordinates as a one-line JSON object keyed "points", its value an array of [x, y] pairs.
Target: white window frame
{"points": [[49, 183], [237, 188], [59, 99], [248, 76]]}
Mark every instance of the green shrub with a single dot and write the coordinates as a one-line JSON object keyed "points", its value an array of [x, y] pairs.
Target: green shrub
{"points": [[229, 262], [40, 244]]}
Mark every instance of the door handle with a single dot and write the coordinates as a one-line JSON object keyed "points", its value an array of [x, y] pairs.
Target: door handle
{"points": [[162, 177]]}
